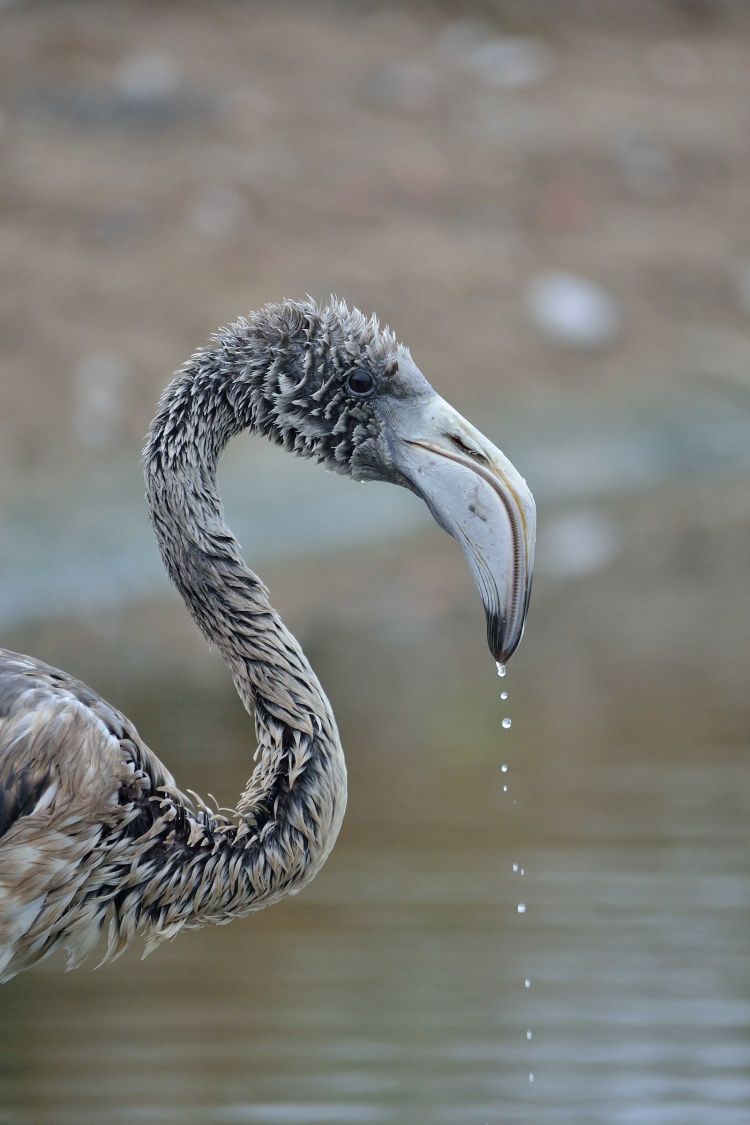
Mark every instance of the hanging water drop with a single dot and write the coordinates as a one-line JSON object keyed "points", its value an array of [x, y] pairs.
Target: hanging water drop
{"points": [[501, 670], [507, 723]]}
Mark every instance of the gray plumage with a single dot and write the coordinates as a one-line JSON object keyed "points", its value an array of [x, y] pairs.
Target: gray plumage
{"points": [[94, 834]]}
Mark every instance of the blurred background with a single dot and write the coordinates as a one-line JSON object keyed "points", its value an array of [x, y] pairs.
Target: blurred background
{"points": [[549, 201]]}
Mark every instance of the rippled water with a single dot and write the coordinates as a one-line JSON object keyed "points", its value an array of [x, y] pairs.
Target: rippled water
{"points": [[393, 990]]}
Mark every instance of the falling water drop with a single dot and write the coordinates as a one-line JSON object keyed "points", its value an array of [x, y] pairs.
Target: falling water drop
{"points": [[506, 723]]}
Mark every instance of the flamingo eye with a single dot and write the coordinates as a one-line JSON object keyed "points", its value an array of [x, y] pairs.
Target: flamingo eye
{"points": [[360, 383]]}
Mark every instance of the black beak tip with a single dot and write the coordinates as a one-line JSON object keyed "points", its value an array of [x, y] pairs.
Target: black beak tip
{"points": [[500, 644], [496, 637]]}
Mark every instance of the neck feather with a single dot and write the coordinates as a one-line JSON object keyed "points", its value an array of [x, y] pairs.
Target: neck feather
{"points": [[299, 782]]}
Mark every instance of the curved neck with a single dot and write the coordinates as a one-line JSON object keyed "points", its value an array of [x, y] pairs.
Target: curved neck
{"points": [[300, 774]]}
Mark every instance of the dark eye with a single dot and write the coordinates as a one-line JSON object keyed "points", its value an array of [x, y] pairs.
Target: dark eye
{"points": [[360, 383]]}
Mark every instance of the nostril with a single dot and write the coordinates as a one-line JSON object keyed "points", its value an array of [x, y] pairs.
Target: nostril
{"points": [[461, 445]]}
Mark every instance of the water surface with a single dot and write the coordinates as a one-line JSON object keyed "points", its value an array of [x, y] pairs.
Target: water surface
{"points": [[392, 990]]}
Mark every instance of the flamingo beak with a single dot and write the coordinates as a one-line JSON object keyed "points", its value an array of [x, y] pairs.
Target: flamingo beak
{"points": [[478, 497]]}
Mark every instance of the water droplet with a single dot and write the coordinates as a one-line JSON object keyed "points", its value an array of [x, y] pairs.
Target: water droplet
{"points": [[522, 871], [529, 1034], [526, 983], [501, 670], [503, 695], [521, 908], [505, 789], [515, 866], [504, 767], [507, 723], [531, 1076]]}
